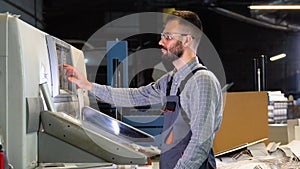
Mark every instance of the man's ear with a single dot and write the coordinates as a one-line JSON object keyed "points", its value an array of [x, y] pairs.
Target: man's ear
{"points": [[187, 41]]}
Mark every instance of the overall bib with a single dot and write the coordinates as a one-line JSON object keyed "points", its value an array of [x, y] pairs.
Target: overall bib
{"points": [[176, 130]]}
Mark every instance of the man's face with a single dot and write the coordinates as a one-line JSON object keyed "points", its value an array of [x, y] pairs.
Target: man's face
{"points": [[172, 47]]}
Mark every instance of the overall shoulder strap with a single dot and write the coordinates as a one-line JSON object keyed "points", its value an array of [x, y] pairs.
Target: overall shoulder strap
{"points": [[169, 84], [182, 85], [184, 81]]}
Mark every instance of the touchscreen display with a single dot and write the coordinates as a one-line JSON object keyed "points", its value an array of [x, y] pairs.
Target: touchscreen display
{"points": [[59, 54], [63, 57], [114, 126]]}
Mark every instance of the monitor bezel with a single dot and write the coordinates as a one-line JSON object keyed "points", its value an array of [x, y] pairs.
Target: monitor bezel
{"points": [[52, 42]]}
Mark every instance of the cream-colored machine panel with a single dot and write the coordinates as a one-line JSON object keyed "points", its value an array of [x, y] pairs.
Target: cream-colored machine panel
{"points": [[33, 84], [20, 146], [3, 77]]}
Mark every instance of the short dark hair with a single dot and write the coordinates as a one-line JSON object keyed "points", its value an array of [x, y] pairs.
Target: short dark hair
{"points": [[188, 16], [191, 23]]}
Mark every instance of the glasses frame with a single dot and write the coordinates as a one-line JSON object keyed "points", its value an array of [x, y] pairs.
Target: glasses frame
{"points": [[169, 36]]}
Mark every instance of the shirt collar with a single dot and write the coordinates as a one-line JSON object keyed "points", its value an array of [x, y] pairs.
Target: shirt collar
{"points": [[186, 69]]}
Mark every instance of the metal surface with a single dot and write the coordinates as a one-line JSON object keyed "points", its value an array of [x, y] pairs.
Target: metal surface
{"points": [[54, 150], [72, 131], [15, 66], [23, 68], [77, 166], [33, 109], [47, 96]]}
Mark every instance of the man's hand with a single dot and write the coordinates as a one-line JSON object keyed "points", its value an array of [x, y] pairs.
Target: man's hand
{"points": [[76, 77]]}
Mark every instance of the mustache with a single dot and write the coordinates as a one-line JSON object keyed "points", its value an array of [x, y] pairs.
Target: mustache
{"points": [[162, 47]]}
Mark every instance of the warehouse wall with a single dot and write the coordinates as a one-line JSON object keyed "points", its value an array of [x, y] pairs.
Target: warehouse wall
{"points": [[238, 43], [29, 10]]}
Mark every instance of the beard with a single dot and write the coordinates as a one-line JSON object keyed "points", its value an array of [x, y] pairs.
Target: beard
{"points": [[174, 52]]}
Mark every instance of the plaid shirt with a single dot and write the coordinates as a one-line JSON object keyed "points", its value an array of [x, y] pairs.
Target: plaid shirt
{"points": [[201, 99]]}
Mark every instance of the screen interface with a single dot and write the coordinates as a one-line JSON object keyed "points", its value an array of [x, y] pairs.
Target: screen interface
{"points": [[63, 57]]}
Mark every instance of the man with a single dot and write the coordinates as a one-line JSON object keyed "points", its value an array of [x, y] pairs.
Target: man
{"points": [[190, 94]]}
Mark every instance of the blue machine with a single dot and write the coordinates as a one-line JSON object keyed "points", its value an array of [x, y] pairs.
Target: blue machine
{"points": [[149, 121], [117, 53]]}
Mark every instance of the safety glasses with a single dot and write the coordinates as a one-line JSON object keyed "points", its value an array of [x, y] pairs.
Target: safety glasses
{"points": [[170, 36]]}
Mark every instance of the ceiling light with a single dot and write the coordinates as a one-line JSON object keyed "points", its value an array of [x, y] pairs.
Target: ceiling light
{"points": [[275, 7], [276, 57]]}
